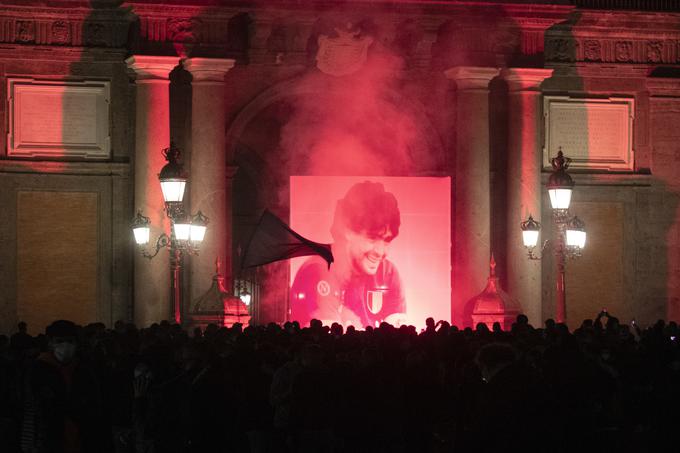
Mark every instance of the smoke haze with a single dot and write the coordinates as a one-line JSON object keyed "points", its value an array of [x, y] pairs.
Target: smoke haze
{"points": [[353, 124]]}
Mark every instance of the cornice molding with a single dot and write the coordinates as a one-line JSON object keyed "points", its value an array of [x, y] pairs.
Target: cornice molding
{"points": [[152, 68], [525, 79], [278, 33], [65, 168], [471, 78], [615, 37], [663, 87], [65, 27], [206, 70], [606, 49]]}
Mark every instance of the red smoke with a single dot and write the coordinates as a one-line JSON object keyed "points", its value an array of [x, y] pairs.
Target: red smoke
{"points": [[351, 125]]}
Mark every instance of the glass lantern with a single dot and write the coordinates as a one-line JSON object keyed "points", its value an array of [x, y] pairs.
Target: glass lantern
{"points": [[199, 224], [576, 233], [140, 228], [530, 232]]}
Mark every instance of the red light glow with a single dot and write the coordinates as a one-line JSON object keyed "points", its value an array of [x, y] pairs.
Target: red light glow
{"points": [[420, 252]]}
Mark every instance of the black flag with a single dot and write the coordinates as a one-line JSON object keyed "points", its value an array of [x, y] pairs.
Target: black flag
{"points": [[273, 240]]}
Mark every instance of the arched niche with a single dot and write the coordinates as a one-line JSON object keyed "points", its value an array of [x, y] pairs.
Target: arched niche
{"points": [[262, 143]]}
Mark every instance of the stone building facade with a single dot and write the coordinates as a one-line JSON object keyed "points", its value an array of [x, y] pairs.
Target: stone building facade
{"points": [[92, 91]]}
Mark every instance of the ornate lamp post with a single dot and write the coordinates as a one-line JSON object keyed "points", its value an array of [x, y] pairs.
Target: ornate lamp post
{"points": [[571, 234], [186, 233]]}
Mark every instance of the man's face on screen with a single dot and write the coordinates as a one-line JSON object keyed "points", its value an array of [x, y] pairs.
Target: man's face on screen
{"points": [[367, 250]]}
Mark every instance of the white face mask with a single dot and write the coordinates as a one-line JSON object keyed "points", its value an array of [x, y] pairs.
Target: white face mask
{"points": [[64, 352]]}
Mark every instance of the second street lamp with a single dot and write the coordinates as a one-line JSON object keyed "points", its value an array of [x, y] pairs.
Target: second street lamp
{"points": [[571, 232], [186, 233]]}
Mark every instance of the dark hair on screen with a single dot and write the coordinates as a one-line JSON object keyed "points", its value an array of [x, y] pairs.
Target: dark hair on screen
{"points": [[366, 207]]}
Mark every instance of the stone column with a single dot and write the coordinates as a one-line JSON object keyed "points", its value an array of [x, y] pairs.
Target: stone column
{"points": [[524, 190], [152, 134], [471, 199], [208, 178], [228, 270]]}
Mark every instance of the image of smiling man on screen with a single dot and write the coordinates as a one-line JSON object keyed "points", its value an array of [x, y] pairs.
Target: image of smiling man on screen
{"points": [[362, 287]]}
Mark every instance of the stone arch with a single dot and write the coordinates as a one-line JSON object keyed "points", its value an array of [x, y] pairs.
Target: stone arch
{"points": [[290, 89], [261, 182]]}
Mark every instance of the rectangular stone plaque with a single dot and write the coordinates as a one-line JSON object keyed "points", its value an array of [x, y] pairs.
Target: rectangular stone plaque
{"points": [[57, 119], [597, 134]]}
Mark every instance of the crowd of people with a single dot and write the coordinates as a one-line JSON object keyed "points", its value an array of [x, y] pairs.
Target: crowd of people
{"points": [[283, 388]]}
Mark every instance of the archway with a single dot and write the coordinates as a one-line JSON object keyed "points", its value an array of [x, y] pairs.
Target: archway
{"points": [[294, 128]]}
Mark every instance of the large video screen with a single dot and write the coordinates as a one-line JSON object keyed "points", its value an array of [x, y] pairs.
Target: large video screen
{"points": [[391, 244]]}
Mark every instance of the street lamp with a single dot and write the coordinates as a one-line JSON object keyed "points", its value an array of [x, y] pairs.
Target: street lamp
{"points": [[246, 297], [186, 233], [571, 232], [241, 290]]}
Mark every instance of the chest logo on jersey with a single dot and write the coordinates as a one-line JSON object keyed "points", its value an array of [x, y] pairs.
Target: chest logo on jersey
{"points": [[374, 301], [323, 288]]}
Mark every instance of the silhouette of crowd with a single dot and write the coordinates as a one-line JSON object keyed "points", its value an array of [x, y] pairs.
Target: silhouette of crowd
{"points": [[273, 388]]}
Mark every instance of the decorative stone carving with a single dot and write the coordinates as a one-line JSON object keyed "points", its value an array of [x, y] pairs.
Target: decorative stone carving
{"points": [[61, 33], [94, 34], [588, 49], [25, 31], [561, 49], [654, 51], [592, 50], [344, 54], [184, 34], [67, 26], [624, 51], [184, 30]]}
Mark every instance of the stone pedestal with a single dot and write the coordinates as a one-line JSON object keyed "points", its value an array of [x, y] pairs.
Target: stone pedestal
{"points": [[471, 198], [152, 133], [208, 177], [524, 188]]}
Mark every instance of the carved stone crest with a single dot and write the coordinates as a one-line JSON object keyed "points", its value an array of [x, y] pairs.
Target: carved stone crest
{"points": [[561, 49], [61, 32], [592, 50], [184, 30], [344, 54], [624, 51], [654, 51], [25, 31], [184, 34], [95, 34]]}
